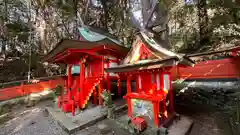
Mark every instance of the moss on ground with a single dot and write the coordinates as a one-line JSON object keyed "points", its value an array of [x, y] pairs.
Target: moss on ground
{"points": [[5, 114], [5, 119], [218, 105]]}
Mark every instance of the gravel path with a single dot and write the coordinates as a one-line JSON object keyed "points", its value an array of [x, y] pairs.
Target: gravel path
{"points": [[101, 128], [31, 121], [205, 125], [36, 121]]}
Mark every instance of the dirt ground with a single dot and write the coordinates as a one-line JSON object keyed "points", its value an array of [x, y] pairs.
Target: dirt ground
{"points": [[206, 122], [31, 121]]}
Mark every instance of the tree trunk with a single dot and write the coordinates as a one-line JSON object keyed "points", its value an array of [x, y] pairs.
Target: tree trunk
{"points": [[105, 8], [75, 30], [204, 35], [86, 14], [4, 30]]}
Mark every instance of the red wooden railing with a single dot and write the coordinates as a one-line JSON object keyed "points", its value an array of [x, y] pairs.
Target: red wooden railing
{"points": [[89, 87], [211, 69], [23, 88]]}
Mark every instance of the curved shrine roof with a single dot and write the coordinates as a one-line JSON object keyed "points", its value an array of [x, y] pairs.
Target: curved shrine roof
{"points": [[154, 56], [92, 38], [66, 44], [93, 34]]}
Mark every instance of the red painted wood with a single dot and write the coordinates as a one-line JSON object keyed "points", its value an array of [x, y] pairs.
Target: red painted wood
{"points": [[82, 83], [145, 52], [108, 79], [155, 113], [128, 99], [164, 109], [234, 53], [100, 84], [171, 102], [129, 84], [225, 68], [99, 94], [62, 57], [119, 86], [95, 97], [129, 107], [79, 88], [21, 90], [147, 79], [145, 96], [69, 82], [59, 55]]}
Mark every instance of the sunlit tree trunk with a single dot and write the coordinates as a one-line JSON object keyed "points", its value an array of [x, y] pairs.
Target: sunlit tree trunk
{"points": [[204, 34], [105, 9], [4, 30], [75, 30]]}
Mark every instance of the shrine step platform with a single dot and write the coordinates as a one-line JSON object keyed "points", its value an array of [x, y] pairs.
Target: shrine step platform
{"points": [[180, 126], [82, 119]]}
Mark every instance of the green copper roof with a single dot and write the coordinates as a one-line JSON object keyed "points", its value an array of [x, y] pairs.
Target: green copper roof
{"points": [[92, 36]]}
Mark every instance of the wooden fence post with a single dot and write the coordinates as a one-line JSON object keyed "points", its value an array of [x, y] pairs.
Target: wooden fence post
{"points": [[50, 84], [22, 88]]}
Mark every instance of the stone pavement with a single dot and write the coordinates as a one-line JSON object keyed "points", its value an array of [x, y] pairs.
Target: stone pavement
{"points": [[83, 119], [178, 127], [181, 127], [95, 117]]}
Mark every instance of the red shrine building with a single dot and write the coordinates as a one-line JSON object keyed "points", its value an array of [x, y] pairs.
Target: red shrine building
{"points": [[92, 57], [147, 67]]}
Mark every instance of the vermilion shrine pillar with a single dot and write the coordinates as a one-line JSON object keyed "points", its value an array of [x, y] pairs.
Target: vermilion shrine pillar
{"points": [[171, 102], [129, 92], [234, 53], [156, 112], [108, 77], [100, 84], [69, 81], [119, 86], [82, 72]]}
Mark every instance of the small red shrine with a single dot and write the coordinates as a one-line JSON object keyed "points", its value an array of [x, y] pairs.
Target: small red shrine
{"points": [[147, 65], [92, 57]]}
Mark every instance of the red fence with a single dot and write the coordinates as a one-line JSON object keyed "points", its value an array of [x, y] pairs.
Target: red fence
{"points": [[217, 69], [25, 89]]}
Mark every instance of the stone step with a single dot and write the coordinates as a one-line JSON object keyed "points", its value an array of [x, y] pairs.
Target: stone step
{"points": [[83, 119], [181, 127]]}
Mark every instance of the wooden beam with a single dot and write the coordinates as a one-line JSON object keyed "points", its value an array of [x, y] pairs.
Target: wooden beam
{"points": [[89, 52], [62, 57], [57, 56]]}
